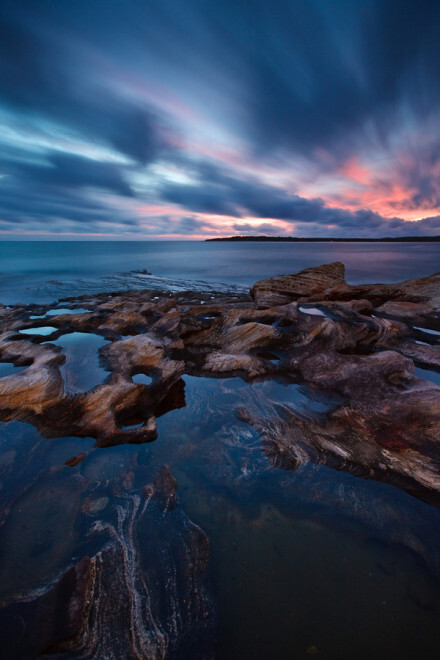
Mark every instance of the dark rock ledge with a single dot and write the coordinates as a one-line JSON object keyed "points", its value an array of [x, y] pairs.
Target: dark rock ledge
{"points": [[143, 594]]}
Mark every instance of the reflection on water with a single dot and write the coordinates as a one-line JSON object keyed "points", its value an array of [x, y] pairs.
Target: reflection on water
{"points": [[314, 311], [42, 330], [307, 561], [9, 369], [82, 369], [428, 374], [428, 331], [63, 310], [142, 379], [306, 558]]}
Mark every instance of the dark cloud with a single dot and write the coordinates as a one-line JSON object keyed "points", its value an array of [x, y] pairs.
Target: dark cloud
{"points": [[340, 74], [189, 225], [59, 197], [75, 171], [264, 229], [43, 74], [241, 198], [295, 79], [427, 225], [206, 198], [235, 197], [301, 75]]}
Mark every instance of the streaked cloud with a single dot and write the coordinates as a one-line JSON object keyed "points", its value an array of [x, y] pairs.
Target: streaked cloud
{"points": [[196, 119]]}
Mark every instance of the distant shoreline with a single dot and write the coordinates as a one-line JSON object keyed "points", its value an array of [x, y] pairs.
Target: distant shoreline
{"points": [[295, 239]]}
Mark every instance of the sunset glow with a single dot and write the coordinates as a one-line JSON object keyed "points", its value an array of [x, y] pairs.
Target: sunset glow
{"points": [[150, 123]]}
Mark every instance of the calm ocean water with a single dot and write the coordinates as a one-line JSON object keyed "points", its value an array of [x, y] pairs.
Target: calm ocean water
{"points": [[44, 271]]}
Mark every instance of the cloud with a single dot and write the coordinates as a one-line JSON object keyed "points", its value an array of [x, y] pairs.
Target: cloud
{"points": [[190, 225], [42, 74], [338, 76], [66, 194], [243, 198], [217, 192], [263, 229], [297, 92], [68, 171], [207, 198]]}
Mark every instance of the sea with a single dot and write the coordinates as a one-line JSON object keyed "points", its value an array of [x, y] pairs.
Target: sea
{"points": [[306, 562], [43, 271]]}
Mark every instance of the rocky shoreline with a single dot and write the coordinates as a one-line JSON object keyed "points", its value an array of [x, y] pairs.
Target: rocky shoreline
{"points": [[358, 342], [355, 346]]}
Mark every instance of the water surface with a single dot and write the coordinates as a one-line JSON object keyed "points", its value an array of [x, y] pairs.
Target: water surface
{"points": [[82, 369], [311, 561], [9, 369], [306, 561], [45, 271]]}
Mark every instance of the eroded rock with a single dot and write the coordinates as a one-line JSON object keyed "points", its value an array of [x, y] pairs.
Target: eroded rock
{"points": [[144, 594], [360, 342]]}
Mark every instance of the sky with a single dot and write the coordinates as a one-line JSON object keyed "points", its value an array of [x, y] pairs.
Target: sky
{"points": [[191, 119]]}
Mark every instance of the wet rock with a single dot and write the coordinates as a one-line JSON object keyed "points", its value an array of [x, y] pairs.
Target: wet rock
{"points": [[327, 283], [360, 342], [35, 627], [165, 487], [93, 506], [76, 460], [309, 282], [144, 594], [39, 532], [41, 398], [393, 438]]}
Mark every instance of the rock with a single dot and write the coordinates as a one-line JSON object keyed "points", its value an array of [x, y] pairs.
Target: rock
{"points": [[309, 282], [359, 342], [165, 487], [415, 313], [35, 627], [76, 460], [140, 589], [144, 594], [312, 650], [327, 283], [93, 506]]}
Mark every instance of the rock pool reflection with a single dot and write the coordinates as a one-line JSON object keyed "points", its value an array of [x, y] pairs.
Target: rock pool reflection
{"points": [[9, 369], [142, 379], [82, 369], [428, 374], [64, 310], [302, 560], [39, 331]]}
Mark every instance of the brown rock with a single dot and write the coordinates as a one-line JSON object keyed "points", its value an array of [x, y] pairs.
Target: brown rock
{"points": [[76, 460], [356, 341], [144, 594], [309, 282]]}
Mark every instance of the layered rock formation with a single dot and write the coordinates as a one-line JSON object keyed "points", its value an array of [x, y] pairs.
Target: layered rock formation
{"points": [[328, 283], [138, 587], [359, 342], [143, 594]]}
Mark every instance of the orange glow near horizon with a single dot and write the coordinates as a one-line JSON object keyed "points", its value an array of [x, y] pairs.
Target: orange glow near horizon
{"points": [[381, 189], [389, 201]]}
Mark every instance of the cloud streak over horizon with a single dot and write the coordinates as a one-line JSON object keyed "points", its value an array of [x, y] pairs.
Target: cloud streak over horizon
{"points": [[189, 120]]}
